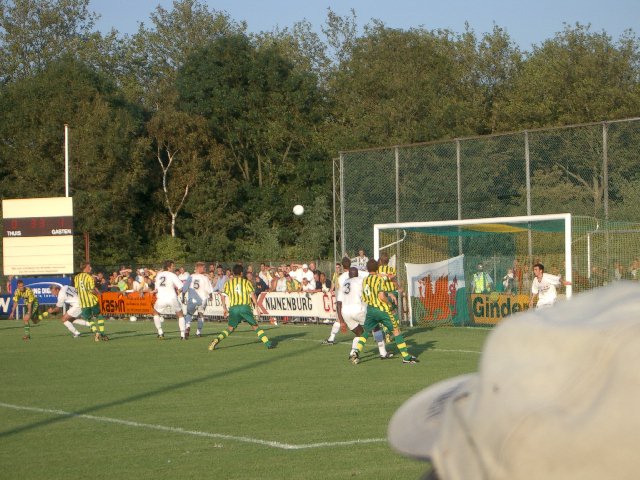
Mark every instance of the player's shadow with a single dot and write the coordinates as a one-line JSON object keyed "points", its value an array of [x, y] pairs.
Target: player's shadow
{"points": [[285, 358]]}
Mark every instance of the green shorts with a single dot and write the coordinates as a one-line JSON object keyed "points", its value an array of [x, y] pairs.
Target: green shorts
{"points": [[376, 317], [89, 312], [239, 313]]}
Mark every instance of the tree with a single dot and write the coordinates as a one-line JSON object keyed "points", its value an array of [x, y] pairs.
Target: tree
{"points": [[184, 152], [107, 177], [576, 77], [35, 32]]}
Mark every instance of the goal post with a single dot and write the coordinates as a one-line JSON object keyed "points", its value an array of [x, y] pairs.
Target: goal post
{"points": [[437, 262]]}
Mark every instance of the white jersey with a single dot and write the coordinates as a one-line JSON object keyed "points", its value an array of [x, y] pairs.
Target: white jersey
{"points": [[344, 276], [545, 289], [166, 285], [201, 284], [350, 293], [68, 295]]}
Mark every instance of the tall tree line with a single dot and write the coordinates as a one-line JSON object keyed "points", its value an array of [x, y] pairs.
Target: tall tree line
{"points": [[193, 137]]}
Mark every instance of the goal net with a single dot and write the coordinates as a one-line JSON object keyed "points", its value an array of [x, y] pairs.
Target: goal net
{"points": [[477, 271]]}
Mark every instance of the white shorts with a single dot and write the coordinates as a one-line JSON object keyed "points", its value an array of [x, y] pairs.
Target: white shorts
{"points": [[74, 311], [167, 306], [353, 317]]}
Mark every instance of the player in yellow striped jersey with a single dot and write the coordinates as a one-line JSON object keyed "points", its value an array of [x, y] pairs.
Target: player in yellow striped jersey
{"points": [[239, 292], [89, 300], [389, 272], [31, 307], [379, 308]]}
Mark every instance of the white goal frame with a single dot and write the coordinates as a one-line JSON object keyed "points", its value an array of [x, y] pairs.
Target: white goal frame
{"points": [[566, 217]]}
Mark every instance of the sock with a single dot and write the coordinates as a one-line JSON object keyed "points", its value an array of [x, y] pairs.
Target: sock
{"points": [[200, 324], [92, 324], [379, 338], [181, 326], [157, 320], [361, 341], [70, 326], [224, 334], [334, 331], [84, 323], [187, 320], [354, 344], [402, 346], [263, 338], [101, 325], [27, 330]]}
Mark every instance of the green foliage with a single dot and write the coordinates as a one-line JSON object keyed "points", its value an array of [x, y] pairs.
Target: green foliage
{"points": [[168, 247]]}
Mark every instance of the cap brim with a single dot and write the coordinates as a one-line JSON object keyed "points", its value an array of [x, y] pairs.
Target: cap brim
{"points": [[415, 427]]}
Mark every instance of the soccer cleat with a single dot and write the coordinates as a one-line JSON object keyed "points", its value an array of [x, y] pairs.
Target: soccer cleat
{"points": [[104, 338], [161, 336], [198, 335], [213, 344], [410, 360], [328, 342], [186, 333], [76, 335], [354, 357], [270, 345], [387, 356], [27, 337]]}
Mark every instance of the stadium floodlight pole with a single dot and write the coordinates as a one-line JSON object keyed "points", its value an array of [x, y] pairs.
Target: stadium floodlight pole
{"points": [[66, 160]]}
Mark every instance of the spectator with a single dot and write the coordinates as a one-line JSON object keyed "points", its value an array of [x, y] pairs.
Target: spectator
{"points": [[257, 282], [113, 282], [133, 286], [122, 283], [556, 406], [265, 274], [219, 280], [101, 283], [292, 284], [302, 273], [324, 283], [279, 282], [312, 267], [125, 271], [307, 286], [509, 282], [336, 274], [360, 262], [482, 281], [146, 285]]}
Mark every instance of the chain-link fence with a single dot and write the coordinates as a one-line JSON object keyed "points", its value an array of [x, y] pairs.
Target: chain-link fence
{"points": [[590, 170]]}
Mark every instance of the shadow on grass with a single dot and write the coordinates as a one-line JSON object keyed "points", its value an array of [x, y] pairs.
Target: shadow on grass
{"points": [[268, 359]]}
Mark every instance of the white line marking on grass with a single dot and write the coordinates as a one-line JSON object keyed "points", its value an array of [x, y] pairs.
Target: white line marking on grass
{"points": [[196, 433]]}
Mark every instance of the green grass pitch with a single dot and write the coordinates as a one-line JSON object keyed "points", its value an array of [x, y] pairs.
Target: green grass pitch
{"points": [[136, 407]]}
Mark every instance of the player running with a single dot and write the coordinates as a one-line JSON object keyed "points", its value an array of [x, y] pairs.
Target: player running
{"points": [[198, 290], [167, 303], [88, 293], [68, 295], [242, 299], [374, 288], [352, 310], [31, 304]]}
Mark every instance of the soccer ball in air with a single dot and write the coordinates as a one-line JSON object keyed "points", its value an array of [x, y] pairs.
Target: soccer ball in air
{"points": [[133, 318], [298, 210]]}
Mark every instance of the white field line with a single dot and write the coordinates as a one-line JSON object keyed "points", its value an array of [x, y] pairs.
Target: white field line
{"points": [[436, 350], [196, 433]]}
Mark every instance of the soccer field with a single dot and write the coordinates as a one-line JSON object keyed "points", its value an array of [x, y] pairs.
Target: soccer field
{"points": [[137, 407]]}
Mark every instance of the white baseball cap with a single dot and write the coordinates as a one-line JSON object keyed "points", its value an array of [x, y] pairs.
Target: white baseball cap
{"points": [[305, 265], [555, 397]]}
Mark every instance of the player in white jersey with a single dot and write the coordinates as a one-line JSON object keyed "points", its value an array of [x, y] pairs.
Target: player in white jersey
{"points": [[167, 287], [544, 286], [68, 295], [197, 290]]}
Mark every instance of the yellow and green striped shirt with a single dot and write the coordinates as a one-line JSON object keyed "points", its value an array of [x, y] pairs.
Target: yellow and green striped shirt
{"points": [[372, 285], [389, 273], [85, 285], [28, 296], [239, 291]]}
